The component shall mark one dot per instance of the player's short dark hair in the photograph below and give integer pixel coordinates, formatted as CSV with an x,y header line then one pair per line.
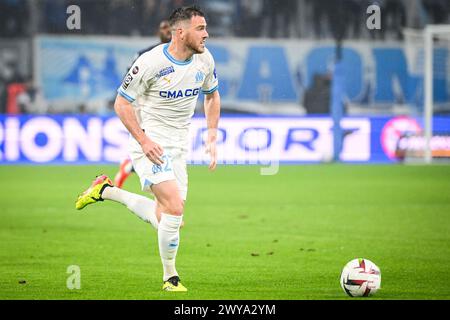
x,y
185,13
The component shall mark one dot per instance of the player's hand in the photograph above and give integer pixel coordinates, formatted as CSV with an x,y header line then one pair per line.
x,y
211,150
153,151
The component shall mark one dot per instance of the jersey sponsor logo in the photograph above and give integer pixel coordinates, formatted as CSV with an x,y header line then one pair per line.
x,y
127,81
135,70
175,94
165,72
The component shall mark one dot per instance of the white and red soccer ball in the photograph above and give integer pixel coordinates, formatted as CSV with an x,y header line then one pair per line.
x,y
360,278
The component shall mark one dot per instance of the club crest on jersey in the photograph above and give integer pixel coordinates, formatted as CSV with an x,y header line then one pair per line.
x,y
165,72
127,81
199,77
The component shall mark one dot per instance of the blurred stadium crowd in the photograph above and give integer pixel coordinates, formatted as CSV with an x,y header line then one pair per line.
x,y
237,18
22,20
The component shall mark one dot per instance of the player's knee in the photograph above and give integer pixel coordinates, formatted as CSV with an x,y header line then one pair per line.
x,y
178,208
175,207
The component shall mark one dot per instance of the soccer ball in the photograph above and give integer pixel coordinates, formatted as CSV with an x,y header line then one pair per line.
x,y
360,278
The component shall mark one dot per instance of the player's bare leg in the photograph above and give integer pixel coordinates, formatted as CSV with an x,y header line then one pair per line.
x,y
171,206
158,212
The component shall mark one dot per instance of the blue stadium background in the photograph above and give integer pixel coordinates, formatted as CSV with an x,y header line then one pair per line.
x,y
276,61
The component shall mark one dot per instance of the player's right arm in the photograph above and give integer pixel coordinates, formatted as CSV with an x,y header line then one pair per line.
x,y
134,84
125,112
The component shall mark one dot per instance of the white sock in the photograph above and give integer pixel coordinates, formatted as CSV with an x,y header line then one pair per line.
x,y
141,206
168,239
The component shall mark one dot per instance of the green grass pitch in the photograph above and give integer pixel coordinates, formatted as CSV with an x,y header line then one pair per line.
x,y
246,236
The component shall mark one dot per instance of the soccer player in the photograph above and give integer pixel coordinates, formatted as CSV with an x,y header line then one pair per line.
x,y
126,167
165,83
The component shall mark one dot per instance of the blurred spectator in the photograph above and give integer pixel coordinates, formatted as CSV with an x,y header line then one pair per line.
x,y
338,18
31,100
149,10
81,109
250,18
279,17
356,17
415,13
164,34
317,97
270,13
437,10
13,18
393,17
219,16
288,13
9,74
96,16
121,13
319,14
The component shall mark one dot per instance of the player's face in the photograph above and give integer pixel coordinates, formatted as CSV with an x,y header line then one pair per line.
x,y
165,34
196,34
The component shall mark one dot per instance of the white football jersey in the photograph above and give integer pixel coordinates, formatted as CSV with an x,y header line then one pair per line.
x,y
165,89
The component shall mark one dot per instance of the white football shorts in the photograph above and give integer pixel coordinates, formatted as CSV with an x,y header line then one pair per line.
x,y
174,144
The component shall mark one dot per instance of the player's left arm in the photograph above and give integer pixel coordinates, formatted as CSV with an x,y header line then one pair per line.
x,y
212,113
212,109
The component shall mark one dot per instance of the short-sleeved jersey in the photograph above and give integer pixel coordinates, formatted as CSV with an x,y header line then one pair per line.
x,y
165,89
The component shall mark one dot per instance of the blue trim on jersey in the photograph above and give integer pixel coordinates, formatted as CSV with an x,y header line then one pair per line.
x,y
210,91
147,183
123,94
172,59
